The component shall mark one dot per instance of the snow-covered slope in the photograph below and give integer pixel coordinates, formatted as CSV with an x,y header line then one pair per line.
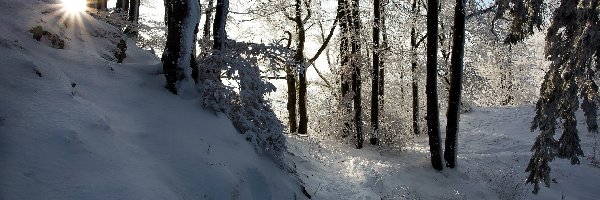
x,y
74,125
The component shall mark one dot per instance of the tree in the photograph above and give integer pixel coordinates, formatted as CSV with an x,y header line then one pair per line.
x,y
355,62
433,126
133,17
181,18
454,98
375,73
573,47
122,5
300,63
345,105
414,44
219,34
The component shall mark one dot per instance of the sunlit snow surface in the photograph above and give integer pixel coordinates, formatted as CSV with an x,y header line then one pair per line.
x,y
76,125
493,152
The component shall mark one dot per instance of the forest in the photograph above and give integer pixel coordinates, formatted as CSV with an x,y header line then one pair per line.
x,y
299,99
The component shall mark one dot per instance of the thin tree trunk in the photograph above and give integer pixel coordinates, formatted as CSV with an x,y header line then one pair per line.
x,y
299,60
356,77
345,105
208,18
375,73
456,84
219,34
384,48
433,126
414,65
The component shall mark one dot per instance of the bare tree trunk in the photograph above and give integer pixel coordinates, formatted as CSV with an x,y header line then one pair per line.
x,y
122,5
299,61
345,106
375,73
458,48
414,65
219,34
208,18
178,19
356,77
433,126
134,13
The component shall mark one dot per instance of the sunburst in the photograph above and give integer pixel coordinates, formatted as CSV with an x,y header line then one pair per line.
x,y
74,6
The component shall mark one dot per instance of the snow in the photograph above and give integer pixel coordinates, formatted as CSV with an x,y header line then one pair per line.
x,y
89,128
493,152
74,125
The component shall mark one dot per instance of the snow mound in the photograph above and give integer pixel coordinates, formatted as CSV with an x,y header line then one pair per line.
x,y
74,124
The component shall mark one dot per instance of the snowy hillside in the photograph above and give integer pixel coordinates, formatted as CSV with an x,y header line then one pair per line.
x,y
74,124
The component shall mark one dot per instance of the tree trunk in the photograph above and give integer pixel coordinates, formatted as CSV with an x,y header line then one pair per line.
x,y
206,32
102,4
384,47
456,84
356,77
181,22
433,126
122,5
299,61
414,65
345,104
219,34
290,78
375,73
134,13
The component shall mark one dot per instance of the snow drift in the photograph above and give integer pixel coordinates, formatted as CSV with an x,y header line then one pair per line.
x,y
74,124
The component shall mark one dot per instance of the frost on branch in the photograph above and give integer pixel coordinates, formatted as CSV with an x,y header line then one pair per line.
x,y
232,84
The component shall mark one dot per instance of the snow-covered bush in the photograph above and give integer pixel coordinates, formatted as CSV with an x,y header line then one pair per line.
x,y
232,84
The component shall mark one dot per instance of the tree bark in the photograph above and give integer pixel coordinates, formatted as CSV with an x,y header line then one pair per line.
x,y
375,73
133,16
345,104
356,77
122,5
178,19
433,127
209,11
456,84
299,61
414,65
219,34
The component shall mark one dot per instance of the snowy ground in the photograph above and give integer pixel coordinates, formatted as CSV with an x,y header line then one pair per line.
x,y
494,151
75,125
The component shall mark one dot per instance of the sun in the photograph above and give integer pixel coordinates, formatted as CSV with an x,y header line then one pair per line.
x,y
74,6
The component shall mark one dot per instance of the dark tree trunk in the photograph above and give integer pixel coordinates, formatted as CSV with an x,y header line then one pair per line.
x,y
134,11
345,105
375,73
177,14
433,126
101,4
290,78
414,65
209,11
384,48
122,5
356,77
456,84
206,32
219,34
299,61
133,16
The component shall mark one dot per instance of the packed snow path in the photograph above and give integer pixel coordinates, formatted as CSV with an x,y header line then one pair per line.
x,y
494,152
